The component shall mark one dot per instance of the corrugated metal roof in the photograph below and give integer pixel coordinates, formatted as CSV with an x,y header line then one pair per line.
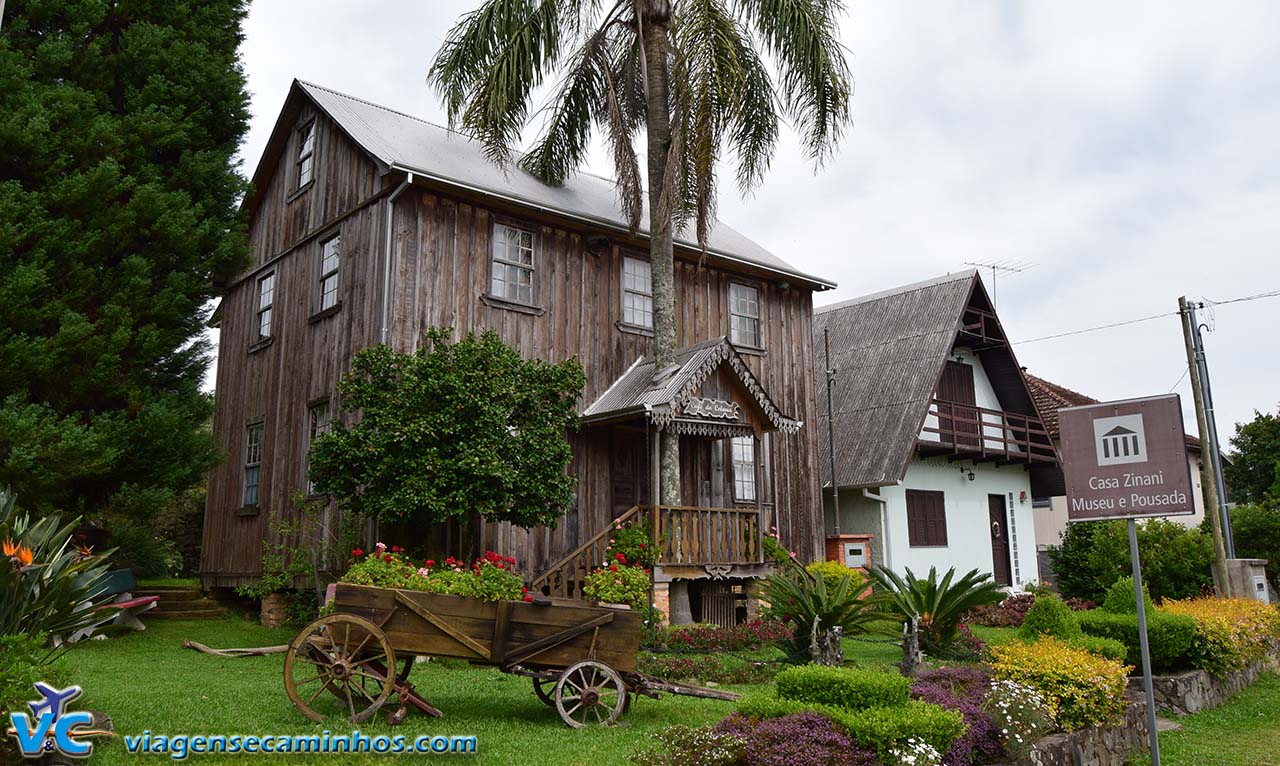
x,y
405,142
637,392
888,349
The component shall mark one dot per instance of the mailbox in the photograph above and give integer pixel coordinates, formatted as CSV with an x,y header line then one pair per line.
x,y
854,551
1260,588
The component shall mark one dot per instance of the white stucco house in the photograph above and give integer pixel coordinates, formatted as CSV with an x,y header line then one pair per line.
x,y
938,445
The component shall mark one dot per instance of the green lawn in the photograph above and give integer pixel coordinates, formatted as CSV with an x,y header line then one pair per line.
x,y
1243,732
148,681
152,582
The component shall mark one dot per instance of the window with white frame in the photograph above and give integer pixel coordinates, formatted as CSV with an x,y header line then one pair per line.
x,y
306,153
744,315
253,438
317,423
330,261
637,292
512,266
744,468
266,299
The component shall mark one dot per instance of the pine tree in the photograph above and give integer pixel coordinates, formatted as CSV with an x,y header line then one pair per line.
x,y
119,202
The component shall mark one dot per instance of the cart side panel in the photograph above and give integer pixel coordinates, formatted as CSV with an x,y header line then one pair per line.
x,y
616,645
413,634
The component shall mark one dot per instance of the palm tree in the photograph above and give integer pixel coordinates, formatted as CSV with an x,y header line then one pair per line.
x,y
690,74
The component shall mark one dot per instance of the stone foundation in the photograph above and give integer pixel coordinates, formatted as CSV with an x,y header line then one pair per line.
x,y
662,599
1196,690
1095,745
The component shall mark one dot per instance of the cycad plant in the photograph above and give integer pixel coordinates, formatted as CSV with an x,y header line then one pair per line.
x,y
815,606
937,605
47,585
695,77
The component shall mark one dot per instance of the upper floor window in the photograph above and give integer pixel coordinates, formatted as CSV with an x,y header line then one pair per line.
x,y
266,298
330,260
744,469
306,153
512,268
255,433
637,292
744,315
317,423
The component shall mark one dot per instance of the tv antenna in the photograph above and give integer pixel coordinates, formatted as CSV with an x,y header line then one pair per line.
x,y
1010,266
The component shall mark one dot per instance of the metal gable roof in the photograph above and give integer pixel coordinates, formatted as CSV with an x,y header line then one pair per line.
x,y
402,142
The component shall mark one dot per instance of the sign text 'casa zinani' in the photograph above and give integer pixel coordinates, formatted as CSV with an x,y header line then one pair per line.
x,y
1126,459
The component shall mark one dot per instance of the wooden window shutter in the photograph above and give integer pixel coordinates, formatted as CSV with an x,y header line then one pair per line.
x,y
926,518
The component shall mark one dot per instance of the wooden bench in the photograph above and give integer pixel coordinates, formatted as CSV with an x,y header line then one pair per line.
x,y
115,594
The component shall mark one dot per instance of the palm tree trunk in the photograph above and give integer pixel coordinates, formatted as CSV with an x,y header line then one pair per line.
x,y
655,18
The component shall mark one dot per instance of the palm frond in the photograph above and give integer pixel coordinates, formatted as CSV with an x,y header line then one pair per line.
x,y
565,138
491,61
815,81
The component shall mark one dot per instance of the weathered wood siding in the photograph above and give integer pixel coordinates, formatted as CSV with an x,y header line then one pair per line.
x,y
440,271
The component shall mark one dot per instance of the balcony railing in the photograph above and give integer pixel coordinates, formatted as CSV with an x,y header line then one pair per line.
x,y
969,431
686,536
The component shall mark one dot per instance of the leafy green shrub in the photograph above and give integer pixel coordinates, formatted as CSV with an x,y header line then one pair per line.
x,y
938,606
618,584
699,636
1049,616
1122,598
884,727
701,668
1169,636
849,688
46,584
878,728
1231,633
1109,648
23,661
833,572
775,552
796,596
1176,560
140,549
1256,529
1079,688
634,543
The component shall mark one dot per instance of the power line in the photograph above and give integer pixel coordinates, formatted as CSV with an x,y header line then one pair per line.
x,y
1185,370
1255,297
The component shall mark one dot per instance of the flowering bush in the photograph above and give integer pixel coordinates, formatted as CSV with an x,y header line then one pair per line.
x,y
1007,614
962,688
489,578
774,551
1079,688
634,543
1231,633
705,667
913,752
686,746
619,584
802,739
752,634
1019,716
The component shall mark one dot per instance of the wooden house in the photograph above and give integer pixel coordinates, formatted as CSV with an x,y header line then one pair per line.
x,y
938,444
369,226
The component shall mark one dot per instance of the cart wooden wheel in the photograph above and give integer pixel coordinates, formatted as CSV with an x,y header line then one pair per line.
x,y
545,690
348,657
590,692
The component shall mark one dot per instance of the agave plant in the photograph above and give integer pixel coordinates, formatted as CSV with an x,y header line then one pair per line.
x,y
937,606
47,585
816,606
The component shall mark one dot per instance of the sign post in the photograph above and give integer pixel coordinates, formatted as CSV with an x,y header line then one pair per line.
x,y
1128,460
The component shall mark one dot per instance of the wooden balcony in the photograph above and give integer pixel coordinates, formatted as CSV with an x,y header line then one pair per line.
x,y
968,432
688,536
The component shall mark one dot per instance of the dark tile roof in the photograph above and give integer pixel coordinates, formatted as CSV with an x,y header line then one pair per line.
x,y
1051,397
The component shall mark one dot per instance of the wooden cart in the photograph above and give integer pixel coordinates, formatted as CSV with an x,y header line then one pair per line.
x,y
582,658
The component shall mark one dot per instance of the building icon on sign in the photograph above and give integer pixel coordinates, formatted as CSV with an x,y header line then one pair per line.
x,y
1120,440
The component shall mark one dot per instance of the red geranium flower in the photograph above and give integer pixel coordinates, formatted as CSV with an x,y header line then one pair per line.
x,y
387,558
357,552
528,599
621,559
429,563
613,567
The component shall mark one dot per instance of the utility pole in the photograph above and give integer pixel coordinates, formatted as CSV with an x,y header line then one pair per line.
x,y
1214,447
1208,481
831,432
1,14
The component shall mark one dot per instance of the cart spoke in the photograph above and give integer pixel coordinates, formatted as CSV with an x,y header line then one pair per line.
x,y
351,705
306,681
323,686
346,638
360,645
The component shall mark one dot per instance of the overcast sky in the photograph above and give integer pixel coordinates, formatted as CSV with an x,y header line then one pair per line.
x,y
1128,150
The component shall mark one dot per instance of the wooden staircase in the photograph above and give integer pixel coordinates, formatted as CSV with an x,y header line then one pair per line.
x,y
179,602
685,535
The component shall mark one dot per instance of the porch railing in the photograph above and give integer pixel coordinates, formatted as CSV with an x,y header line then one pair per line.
x,y
970,431
686,535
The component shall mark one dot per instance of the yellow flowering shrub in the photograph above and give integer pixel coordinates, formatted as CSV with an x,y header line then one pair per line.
x,y
1079,688
1231,633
